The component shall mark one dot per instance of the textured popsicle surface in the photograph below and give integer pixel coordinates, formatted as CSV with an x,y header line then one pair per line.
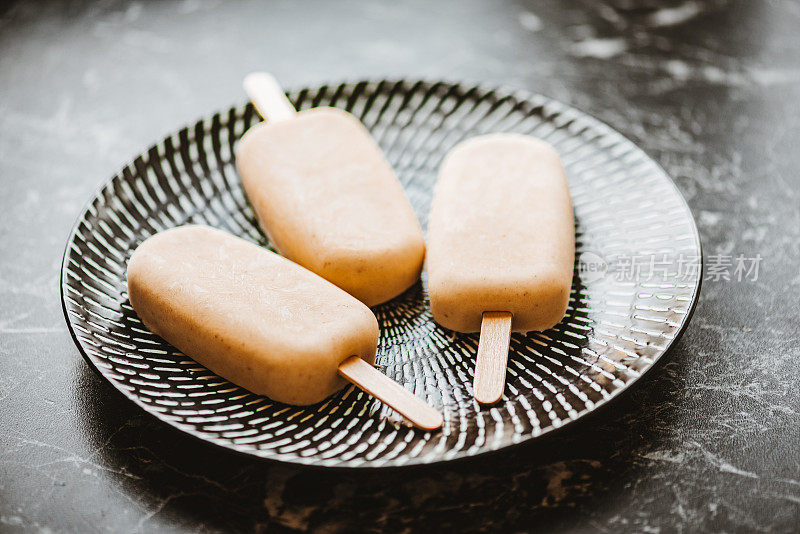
x,y
501,234
328,199
248,314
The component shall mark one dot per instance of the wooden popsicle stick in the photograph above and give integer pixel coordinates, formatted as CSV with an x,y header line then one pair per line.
x,y
267,96
492,361
391,393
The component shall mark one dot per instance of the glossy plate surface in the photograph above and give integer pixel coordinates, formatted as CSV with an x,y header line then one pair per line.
x,y
637,278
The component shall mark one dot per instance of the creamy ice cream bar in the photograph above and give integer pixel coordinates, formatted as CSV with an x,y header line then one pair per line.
x,y
501,235
328,199
249,315
501,246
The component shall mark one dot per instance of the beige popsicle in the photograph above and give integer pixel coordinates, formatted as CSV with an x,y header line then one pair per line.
x,y
261,321
326,196
501,246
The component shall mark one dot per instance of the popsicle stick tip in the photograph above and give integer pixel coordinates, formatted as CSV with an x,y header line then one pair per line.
x,y
432,420
267,96
377,384
492,360
486,397
254,79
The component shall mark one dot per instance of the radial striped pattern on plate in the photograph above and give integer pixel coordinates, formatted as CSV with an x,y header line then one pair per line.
x,y
628,214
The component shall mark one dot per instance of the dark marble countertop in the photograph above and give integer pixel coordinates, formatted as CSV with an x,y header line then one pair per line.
x,y
709,441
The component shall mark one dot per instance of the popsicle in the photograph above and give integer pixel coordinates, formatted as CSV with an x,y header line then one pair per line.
x,y
259,320
326,196
501,246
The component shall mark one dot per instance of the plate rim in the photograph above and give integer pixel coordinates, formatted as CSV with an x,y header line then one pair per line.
x,y
417,461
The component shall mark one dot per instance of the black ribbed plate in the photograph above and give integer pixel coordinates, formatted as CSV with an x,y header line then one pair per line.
x,y
619,322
